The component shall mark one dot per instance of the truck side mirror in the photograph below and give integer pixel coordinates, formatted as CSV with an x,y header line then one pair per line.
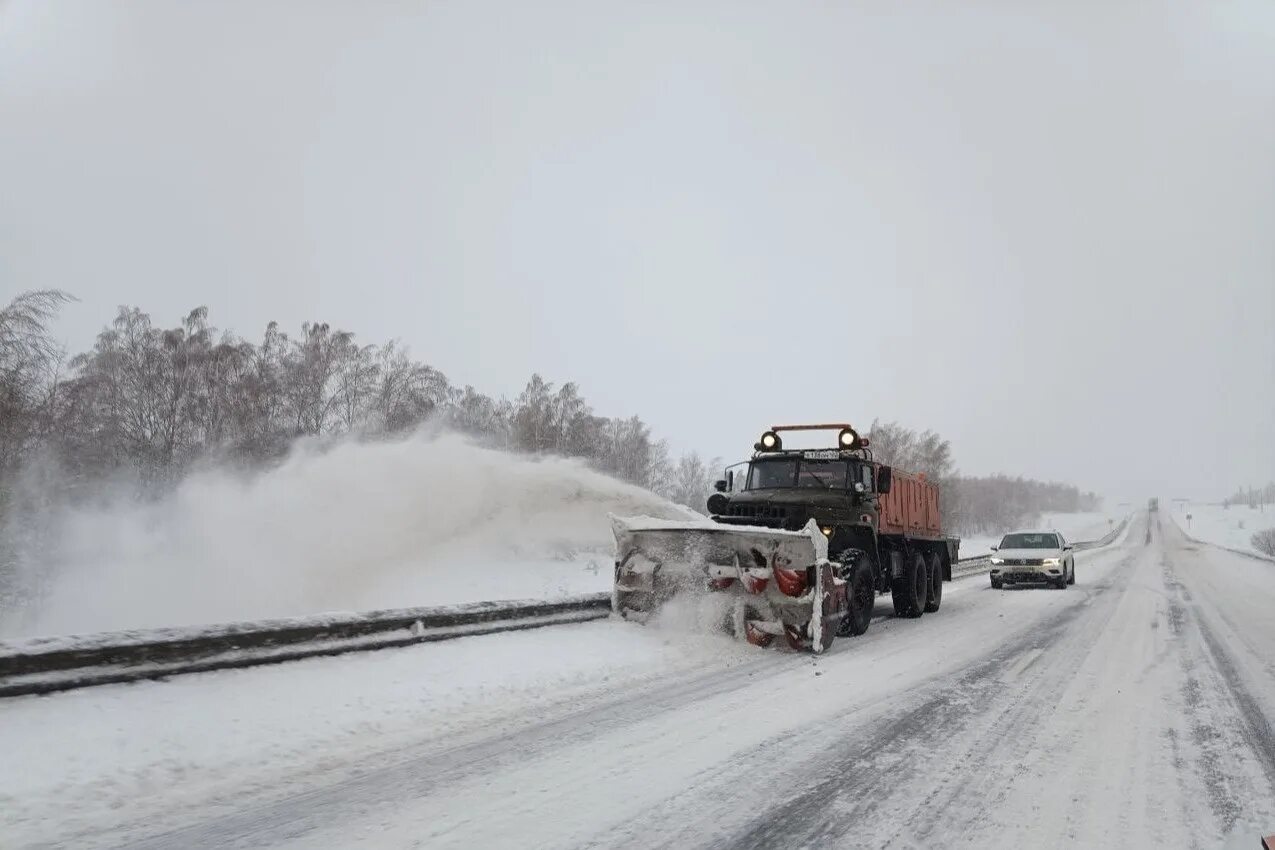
x,y
720,486
884,479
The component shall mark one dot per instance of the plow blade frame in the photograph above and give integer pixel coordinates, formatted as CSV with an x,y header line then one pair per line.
x,y
780,582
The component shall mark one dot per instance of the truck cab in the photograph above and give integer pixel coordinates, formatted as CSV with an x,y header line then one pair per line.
x,y
787,489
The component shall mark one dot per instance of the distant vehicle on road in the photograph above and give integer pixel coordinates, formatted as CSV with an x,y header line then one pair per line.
x,y
1153,504
1033,557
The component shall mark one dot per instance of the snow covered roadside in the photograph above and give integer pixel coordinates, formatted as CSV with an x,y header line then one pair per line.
x,y
1230,528
113,755
108,765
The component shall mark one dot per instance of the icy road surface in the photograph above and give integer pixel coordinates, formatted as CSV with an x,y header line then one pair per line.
x,y
1132,710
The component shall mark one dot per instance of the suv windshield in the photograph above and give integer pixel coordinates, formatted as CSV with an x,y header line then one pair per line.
x,y
1030,541
798,472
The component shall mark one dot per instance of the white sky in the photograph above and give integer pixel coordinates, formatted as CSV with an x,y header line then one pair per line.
x,y
1045,230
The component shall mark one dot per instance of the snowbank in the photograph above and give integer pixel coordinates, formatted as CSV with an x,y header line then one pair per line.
x,y
361,525
1231,527
101,756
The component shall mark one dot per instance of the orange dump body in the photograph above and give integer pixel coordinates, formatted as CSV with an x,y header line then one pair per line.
x,y
911,507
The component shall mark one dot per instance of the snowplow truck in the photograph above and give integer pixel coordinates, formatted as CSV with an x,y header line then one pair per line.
x,y
800,543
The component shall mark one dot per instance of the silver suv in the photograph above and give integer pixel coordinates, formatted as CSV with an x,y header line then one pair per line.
x,y
1033,556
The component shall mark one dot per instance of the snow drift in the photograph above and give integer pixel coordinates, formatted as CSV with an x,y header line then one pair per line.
x,y
359,525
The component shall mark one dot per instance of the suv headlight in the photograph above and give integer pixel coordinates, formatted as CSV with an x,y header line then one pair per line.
x,y
997,561
1052,562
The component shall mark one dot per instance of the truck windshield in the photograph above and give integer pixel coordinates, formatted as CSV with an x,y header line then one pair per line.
x,y
1030,541
798,472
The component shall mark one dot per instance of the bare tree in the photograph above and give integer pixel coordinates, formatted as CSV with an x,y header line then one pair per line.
x,y
533,419
29,364
406,392
692,480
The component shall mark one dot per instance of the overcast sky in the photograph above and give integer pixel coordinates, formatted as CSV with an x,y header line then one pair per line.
x,y
1045,230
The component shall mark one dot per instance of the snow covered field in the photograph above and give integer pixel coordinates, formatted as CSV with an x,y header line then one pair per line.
x,y
1131,710
1232,527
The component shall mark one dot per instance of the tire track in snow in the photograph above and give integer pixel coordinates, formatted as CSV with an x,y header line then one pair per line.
x,y
990,742
1226,740
854,791
420,773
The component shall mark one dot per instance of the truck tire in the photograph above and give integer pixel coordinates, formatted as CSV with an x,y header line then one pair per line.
x,y
934,598
861,597
909,590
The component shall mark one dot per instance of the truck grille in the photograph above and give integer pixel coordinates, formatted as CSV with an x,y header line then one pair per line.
x,y
760,511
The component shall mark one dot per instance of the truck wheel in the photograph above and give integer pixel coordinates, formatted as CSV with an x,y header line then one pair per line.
x,y
909,590
861,596
934,598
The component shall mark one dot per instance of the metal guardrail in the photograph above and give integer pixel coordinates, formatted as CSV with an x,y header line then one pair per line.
x,y
44,665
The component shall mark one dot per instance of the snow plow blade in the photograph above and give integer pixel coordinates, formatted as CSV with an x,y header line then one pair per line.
x,y
777,583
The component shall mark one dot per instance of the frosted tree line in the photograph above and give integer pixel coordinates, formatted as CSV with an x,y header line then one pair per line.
x,y
153,401
974,505
1253,497
147,403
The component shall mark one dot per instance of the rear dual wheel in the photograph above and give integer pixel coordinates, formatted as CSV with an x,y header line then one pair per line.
x,y
934,598
911,590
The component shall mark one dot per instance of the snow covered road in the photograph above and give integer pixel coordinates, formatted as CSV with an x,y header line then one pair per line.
x,y
1132,709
